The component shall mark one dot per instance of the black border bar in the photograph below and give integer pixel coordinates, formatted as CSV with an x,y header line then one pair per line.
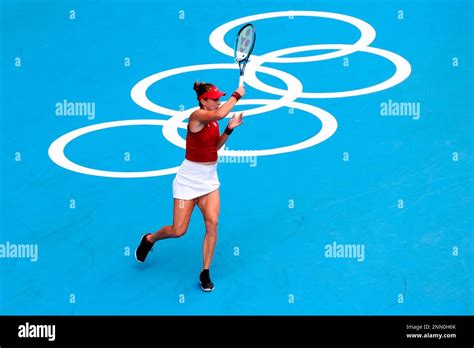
x,y
287,330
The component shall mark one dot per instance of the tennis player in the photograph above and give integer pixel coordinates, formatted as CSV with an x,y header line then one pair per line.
x,y
196,181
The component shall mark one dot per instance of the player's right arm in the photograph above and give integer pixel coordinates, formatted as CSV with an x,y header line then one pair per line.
x,y
218,114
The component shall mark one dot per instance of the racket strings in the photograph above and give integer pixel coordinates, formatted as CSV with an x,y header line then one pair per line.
x,y
244,47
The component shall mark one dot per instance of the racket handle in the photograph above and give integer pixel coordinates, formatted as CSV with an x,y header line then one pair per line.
x,y
241,80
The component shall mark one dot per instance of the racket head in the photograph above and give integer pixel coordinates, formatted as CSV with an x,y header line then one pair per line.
x,y
244,43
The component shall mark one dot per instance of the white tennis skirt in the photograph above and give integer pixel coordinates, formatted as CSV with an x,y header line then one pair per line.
x,y
195,180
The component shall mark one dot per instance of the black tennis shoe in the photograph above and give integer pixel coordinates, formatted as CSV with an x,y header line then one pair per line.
x,y
205,280
143,249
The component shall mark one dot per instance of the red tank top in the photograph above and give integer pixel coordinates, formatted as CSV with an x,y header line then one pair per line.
x,y
202,146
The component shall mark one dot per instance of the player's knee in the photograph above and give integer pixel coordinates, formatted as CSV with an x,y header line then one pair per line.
x,y
212,221
179,231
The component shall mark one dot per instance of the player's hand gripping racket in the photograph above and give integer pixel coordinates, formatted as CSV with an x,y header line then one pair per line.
x,y
244,47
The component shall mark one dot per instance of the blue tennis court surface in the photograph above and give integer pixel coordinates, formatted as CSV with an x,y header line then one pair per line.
x,y
348,192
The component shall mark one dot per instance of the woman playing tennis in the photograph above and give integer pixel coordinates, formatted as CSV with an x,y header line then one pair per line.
x,y
196,181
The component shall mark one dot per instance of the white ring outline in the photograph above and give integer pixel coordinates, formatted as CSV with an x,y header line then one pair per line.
x,y
403,70
56,151
368,33
138,92
328,128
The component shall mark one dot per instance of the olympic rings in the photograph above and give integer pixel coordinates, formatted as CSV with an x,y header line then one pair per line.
x,y
288,97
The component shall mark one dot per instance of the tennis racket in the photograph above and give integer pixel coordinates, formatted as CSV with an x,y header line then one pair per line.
x,y
244,47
